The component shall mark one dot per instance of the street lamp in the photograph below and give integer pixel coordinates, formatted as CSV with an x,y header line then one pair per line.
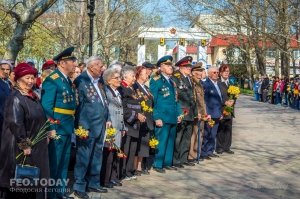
x,y
91,14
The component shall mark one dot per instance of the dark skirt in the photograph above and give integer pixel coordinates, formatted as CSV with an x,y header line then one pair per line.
x,y
143,144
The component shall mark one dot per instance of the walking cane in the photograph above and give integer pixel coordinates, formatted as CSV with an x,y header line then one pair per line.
x,y
199,140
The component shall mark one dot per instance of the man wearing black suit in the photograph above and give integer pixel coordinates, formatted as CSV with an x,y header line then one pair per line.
x,y
224,135
4,88
186,99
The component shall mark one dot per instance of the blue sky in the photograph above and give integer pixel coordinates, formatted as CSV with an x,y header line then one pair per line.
x,y
166,10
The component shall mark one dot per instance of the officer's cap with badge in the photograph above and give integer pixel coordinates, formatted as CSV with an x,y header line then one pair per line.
x,y
165,60
148,65
67,54
185,62
198,67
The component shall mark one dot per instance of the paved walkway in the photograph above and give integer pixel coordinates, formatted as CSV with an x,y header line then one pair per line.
x,y
266,163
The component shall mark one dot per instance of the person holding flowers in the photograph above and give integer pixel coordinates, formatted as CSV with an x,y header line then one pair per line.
x,y
58,101
92,115
166,113
198,125
133,117
110,171
23,119
186,99
214,102
146,128
229,94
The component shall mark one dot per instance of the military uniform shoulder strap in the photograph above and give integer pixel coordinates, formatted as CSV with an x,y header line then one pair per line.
x,y
54,76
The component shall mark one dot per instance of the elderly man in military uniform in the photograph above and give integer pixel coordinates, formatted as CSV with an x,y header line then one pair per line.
x,y
198,129
166,113
186,99
58,101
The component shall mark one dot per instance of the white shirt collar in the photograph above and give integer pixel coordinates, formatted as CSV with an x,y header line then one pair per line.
x,y
63,74
91,78
167,77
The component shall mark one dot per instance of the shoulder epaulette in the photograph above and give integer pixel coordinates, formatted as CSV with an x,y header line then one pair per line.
x,y
177,74
156,77
54,76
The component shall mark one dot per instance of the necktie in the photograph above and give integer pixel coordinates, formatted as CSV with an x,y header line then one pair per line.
x,y
188,79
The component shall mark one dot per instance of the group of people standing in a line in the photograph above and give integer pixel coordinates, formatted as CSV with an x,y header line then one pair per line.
x,y
284,91
182,109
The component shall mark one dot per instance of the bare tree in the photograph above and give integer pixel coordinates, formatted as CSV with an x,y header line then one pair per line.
x,y
24,14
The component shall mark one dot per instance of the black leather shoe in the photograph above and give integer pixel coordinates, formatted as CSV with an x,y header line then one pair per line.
x,y
214,156
179,166
159,170
99,190
145,172
229,151
108,185
192,160
170,168
138,173
115,183
64,197
81,195
189,164
220,152
205,158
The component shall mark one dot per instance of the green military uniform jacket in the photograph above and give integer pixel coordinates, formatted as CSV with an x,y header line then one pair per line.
x,y
166,107
59,102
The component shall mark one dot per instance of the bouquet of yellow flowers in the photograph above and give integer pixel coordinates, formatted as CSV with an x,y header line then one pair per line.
x,y
110,139
153,142
296,92
211,123
233,92
146,108
82,133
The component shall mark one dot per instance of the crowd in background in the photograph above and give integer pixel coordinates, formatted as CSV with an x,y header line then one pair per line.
x,y
278,91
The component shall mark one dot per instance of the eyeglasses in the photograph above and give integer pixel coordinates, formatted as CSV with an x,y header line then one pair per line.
x,y
116,77
215,72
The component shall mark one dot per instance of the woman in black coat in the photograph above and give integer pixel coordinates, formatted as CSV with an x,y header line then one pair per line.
x,y
23,118
147,127
132,117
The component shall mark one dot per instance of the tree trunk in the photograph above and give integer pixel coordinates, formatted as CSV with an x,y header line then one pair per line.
x,y
277,55
16,43
260,61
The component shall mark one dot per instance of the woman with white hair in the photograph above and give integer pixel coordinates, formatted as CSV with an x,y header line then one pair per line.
x,y
133,118
110,165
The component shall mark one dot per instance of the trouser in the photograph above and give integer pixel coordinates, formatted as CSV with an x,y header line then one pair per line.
x,y
129,146
110,166
166,137
224,135
183,142
209,139
59,157
194,140
88,163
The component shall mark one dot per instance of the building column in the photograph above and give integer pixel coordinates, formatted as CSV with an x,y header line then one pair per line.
x,y
141,54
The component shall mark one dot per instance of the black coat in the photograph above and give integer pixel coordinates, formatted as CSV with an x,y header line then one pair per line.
x,y
23,118
148,98
131,107
186,95
4,93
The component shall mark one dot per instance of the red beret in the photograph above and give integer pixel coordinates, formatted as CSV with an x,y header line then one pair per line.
x,y
23,69
48,64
